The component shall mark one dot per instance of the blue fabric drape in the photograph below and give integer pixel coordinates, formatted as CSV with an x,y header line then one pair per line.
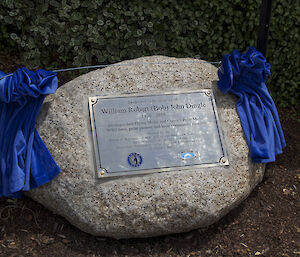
x,y
245,74
25,161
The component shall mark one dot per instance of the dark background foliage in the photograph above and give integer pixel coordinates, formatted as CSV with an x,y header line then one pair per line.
x,y
55,34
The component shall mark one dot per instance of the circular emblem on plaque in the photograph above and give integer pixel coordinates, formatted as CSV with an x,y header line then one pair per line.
x,y
135,159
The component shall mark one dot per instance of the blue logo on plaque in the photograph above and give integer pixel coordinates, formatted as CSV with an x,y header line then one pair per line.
x,y
135,159
187,155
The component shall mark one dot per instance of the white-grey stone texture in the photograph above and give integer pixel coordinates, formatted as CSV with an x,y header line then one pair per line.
x,y
152,204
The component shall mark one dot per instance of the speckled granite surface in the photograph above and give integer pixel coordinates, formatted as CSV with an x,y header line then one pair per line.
x,y
148,205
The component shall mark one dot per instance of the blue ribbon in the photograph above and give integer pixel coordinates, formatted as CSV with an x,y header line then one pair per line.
x,y
25,162
245,74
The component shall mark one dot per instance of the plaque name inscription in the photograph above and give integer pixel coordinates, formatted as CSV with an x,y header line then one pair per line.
x,y
137,134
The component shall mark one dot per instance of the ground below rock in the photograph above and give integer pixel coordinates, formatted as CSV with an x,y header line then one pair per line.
x,y
152,204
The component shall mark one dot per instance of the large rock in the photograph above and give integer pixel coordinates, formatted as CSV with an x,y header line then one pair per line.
x,y
148,205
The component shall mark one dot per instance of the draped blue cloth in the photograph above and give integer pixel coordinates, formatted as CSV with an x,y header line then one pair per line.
x,y
244,75
25,161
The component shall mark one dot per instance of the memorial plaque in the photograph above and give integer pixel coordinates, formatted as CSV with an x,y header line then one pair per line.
x,y
148,133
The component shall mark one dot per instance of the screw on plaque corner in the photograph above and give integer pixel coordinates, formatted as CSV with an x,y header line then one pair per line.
x,y
208,93
223,160
93,100
102,172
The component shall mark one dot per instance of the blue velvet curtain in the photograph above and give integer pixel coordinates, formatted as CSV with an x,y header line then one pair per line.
x,y
25,161
244,75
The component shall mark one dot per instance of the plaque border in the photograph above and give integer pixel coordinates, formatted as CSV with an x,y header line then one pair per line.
x,y
101,171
